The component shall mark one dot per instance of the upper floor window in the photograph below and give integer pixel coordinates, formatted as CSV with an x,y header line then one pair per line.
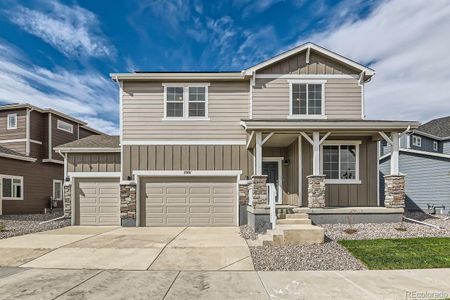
x,y
307,98
417,141
12,121
12,187
340,161
435,146
186,101
64,126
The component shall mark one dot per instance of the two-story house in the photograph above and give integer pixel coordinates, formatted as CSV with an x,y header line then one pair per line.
x,y
30,170
425,160
201,148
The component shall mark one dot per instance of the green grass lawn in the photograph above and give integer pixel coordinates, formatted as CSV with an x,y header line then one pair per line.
x,y
414,253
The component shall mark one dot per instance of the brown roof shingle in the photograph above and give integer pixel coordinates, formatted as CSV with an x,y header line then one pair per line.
x,y
94,141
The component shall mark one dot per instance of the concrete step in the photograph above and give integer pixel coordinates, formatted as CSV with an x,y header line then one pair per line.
x,y
297,216
296,234
293,221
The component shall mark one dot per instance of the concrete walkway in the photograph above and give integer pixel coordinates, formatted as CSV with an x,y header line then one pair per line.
x,y
24,283
132,249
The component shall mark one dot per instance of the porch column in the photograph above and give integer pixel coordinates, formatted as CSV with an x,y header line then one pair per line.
x,y
258,153
316,153
394,184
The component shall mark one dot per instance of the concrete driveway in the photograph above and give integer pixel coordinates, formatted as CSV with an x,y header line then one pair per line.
x,y
115,248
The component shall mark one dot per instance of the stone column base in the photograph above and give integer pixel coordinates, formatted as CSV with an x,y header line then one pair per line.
x,y
394,191
259,219
316,191
67,200
128,205
258,191
243,201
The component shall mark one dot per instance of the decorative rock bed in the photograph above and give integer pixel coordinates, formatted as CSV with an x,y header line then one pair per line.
x,y
15,225
331,255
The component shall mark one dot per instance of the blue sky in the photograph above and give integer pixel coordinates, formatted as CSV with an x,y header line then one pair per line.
x,y
58,54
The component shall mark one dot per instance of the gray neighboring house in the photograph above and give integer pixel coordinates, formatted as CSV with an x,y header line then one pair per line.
x,y
425,160
225,148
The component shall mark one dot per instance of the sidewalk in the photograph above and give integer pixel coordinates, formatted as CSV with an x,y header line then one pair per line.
x,y
23,283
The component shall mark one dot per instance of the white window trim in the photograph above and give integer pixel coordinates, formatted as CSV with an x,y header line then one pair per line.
x,y
435,146
307,116
357,180
59,122
417,141
7,121
12,177
185,87
61,190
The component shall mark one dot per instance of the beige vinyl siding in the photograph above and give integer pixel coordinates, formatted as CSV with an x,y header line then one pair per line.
x,y
93,162
318,64
271,99
342,195
187,157
143,111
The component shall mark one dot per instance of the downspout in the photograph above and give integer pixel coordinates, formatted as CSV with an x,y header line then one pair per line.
x,y
119,84
64,181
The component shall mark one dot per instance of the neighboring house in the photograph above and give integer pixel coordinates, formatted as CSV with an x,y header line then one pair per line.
x,y
195,145
425,160
30,170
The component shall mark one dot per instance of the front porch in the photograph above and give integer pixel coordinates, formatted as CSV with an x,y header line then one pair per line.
x,y
328,169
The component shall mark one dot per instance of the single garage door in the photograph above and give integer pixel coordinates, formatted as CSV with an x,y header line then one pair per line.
x,y
188,201
97,201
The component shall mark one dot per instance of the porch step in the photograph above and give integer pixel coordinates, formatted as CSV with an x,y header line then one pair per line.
x,y
291,234
297,216
293,221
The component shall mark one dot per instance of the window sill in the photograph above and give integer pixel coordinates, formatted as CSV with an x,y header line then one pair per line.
x,y
185,119
342,181
12,199
308,117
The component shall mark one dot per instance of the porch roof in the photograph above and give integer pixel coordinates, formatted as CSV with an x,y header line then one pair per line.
x,y
289,125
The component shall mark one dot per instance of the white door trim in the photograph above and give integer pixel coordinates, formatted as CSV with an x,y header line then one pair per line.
x,y
279,160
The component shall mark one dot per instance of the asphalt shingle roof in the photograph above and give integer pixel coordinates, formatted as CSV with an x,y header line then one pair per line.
x,y
439,127
95,141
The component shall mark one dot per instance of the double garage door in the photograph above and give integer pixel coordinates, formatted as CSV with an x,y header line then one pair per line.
x,y
97,201
188,201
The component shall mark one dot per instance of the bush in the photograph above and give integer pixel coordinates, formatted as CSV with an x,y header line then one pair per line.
x,y
2,226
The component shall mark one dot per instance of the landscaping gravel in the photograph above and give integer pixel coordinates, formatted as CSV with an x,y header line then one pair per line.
x,y
15,225
248,233
332,256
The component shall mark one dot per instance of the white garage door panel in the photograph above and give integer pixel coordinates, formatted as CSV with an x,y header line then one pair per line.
x,y
196,201
98,201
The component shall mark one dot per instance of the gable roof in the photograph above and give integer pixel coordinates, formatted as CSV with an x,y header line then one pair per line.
x,y
93,143
438,128
308,47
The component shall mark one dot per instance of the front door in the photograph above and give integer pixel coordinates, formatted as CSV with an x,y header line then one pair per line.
x,y
270,168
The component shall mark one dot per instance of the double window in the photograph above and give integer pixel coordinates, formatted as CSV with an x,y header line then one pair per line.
x,y
12,121
64,126
307,98
417,141
340,161
186,101
12,187
57,189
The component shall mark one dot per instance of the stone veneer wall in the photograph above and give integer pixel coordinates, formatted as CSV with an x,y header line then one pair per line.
x,y
316,191
67,200
128,205
243,192
394,191
258,190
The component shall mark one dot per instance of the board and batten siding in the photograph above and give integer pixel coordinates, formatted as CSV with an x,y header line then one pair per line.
x,y
427,179
93,162
345,195
143,113
271,99
187,157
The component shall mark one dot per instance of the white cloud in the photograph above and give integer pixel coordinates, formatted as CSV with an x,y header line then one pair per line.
x,y
72,30
85,95
406,42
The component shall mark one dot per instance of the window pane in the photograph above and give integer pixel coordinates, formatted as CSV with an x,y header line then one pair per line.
x,y
175,94
331,162
175,109
314,99
12,120
298,99
197,94
17,188
348,162
196,109
57,191
6,186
